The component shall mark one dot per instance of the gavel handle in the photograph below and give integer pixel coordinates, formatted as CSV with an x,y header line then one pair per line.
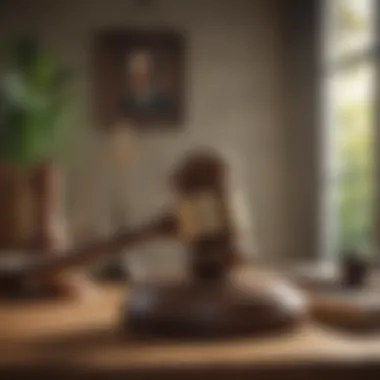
x,y
105,247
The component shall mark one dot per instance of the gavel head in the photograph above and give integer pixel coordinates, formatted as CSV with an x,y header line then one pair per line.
x,y
200,182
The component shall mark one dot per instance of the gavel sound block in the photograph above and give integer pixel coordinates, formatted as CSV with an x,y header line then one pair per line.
x,y
209,303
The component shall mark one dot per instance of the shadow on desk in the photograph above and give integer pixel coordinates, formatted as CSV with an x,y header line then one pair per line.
x,y
312,371
123,338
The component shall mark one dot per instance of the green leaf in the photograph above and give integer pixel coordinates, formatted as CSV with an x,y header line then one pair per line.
x,y
33,102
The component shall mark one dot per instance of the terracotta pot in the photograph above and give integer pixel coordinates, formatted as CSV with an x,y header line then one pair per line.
x,y
29,202
16,203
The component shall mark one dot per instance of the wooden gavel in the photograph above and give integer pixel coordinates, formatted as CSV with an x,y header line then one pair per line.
x,y
212,303
200,219
39,271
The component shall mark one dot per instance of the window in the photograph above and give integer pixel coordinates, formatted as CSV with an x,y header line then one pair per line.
x,y
348,95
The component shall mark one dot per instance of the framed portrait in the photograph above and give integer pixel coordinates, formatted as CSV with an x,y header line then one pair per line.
x,y
139,77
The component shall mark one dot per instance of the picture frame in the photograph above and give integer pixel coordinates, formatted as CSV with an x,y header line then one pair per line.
x,y
139,77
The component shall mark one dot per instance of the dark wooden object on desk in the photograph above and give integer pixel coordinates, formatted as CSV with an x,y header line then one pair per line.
x,y
355,269
209,303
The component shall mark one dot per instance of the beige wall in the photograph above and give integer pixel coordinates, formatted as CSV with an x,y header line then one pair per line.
x,y
233,90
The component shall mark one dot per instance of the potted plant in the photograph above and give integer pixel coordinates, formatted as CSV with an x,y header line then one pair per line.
x,y
33,110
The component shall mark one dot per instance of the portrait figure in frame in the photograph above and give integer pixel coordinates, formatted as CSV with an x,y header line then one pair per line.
x,y
139,78
144,96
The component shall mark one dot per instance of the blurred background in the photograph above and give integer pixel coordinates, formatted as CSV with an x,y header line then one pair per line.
x,y
287,89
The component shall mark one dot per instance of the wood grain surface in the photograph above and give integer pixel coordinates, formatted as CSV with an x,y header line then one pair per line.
x,y
79,337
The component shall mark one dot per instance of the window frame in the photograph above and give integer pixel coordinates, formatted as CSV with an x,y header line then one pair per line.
x,y
329,223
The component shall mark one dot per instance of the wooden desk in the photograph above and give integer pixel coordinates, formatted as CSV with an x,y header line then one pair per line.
x,y
78,339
